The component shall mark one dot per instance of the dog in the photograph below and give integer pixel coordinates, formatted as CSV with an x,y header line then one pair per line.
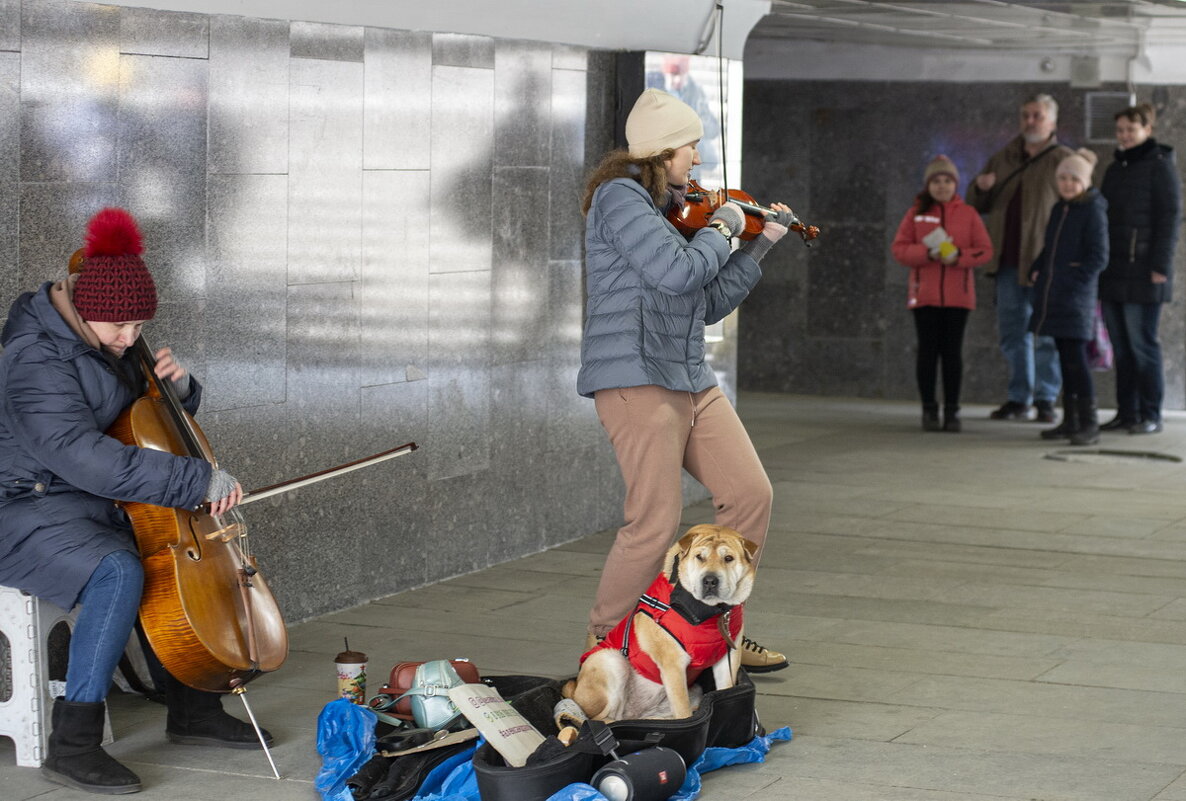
x,y
687,621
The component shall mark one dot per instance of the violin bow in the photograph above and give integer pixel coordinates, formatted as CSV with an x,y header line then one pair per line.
x,y
322,475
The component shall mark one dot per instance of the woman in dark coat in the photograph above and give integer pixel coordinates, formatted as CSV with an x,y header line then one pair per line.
x,y
65,376
1144,210
1065,277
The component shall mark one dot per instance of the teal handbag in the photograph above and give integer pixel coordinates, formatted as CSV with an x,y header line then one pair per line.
x,y
429,694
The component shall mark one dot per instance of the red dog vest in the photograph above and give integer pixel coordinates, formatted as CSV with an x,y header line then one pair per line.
x,y
702,640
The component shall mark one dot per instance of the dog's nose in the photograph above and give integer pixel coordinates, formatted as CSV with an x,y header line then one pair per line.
x,y
710,584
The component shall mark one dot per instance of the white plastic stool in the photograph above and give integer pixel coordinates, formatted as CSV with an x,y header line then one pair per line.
x,y
25,717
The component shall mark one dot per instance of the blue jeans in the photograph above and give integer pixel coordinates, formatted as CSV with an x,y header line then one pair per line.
x,y
1140,383
110,601
1034,373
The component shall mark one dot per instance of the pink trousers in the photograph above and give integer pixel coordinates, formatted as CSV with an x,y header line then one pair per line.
x,y
657,433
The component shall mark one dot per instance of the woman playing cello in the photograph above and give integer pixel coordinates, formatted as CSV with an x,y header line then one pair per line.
x,y
66,374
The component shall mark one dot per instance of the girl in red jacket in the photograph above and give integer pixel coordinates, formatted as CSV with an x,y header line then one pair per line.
x,y
940,239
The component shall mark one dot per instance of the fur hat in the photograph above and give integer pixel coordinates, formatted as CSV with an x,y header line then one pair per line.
x,y
660,121
115,286
940,165
1080,164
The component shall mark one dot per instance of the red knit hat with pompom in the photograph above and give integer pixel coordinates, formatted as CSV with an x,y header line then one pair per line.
x,y
115,286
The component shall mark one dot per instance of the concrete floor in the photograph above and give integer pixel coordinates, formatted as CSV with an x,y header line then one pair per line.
x,y
967,620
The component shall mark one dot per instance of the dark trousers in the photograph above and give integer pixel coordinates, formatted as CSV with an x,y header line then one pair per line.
x,y
1140,382
940,338
1076,373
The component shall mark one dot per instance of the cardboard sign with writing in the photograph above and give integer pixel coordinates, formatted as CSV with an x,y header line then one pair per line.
x,y
506,730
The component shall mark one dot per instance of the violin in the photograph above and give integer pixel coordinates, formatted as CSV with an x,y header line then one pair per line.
x,y
701,203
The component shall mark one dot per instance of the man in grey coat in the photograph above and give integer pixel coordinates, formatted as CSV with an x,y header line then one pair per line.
x,y
1015,191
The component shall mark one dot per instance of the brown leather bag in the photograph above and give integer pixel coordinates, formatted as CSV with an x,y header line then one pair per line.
x,y
400,681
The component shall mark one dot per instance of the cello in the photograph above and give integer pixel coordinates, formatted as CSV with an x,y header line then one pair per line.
x,y
206,609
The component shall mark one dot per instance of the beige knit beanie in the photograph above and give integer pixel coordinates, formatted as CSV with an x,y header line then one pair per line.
x,y
660,121
940,165
1080,164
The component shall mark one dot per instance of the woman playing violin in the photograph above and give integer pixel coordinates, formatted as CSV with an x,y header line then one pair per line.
x,y
651,294
65,376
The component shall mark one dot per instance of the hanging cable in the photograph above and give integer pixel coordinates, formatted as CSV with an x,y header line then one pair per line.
x,y
721,96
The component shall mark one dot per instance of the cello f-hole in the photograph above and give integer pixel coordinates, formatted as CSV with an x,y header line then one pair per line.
x,y
194,551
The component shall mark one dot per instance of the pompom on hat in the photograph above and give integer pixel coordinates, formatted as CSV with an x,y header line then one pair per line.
x,y
660,121
115,286
1080,164
940,165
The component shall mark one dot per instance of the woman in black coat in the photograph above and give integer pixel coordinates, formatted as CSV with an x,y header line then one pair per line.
x,y
1144,211
66,374
1065,277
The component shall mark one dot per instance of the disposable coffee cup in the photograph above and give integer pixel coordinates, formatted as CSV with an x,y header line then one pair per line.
x,y
352,675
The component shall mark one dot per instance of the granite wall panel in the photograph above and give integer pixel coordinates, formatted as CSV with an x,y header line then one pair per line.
x,y
522,103
10,160
843,156
519,291
319,40
246,260
462,160
161,160
10,25
322,406
69,91
518,416
462,50
325,171
567,166
393,303
248,102
149,32
459,314
397,112
53,217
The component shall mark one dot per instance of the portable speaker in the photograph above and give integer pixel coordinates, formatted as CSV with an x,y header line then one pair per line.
x,y
653,774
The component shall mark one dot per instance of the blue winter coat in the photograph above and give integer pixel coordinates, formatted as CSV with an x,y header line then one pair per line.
x,y
650,294
1075,253
59,472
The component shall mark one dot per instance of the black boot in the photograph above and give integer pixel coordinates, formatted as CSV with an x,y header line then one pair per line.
x,y
1089,423
930,417
951,417
196,717
75,757
1070,420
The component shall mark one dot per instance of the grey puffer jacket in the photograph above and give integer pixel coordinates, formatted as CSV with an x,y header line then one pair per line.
x,y
650,294
59,471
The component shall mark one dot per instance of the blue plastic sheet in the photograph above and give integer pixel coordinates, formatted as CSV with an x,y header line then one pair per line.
x,y
346,741
452,780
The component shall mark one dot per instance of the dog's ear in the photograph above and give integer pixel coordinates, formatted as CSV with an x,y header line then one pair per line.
x,y
677,550
685,542
751,548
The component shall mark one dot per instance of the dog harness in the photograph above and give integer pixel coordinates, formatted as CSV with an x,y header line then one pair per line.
x,y
692,623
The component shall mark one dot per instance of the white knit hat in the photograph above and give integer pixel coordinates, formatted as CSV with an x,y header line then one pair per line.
x,y
1080,164
660,121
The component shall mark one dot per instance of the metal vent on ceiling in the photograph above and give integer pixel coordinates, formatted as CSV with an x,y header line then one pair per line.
x,y
1101,108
